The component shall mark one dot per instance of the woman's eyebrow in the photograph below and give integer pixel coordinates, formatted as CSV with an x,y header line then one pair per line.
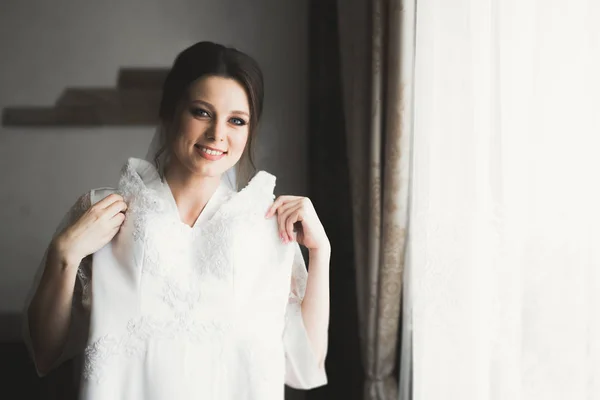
x,y
207,104
241,112
204,103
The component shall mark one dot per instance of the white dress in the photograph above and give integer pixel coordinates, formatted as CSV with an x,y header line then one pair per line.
x,y
204,312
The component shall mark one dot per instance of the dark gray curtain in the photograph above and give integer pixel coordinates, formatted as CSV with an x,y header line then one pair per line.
x,y
330,192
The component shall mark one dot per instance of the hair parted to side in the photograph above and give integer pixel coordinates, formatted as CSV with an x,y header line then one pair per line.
x,y
210,59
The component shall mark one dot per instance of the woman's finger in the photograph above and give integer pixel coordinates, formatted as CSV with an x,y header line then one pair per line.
x,y
117,220
281,223
287,205
115,208
108,200
287,220
293,217
278,203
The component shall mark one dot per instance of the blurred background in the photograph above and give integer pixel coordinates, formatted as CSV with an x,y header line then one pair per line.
x,y
79,88
451,154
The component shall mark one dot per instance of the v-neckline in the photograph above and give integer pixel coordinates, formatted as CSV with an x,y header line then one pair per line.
x,y
148,177
217,201
209,210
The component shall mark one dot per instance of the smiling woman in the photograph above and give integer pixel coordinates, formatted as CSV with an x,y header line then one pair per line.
x,y
198,291
213,131
223,90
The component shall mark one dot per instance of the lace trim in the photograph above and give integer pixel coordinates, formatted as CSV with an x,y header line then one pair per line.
x,y
141,200
84,277
107,348
299,277
252,199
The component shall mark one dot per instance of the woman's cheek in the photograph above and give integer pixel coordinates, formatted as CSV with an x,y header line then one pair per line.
x,y
239,144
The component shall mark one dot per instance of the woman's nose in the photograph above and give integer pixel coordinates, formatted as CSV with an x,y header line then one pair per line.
x,y
217,132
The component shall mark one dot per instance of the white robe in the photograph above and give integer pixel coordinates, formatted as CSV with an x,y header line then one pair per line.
x,y
206,312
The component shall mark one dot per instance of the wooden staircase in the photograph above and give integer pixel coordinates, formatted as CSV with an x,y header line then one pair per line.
x,y
133,102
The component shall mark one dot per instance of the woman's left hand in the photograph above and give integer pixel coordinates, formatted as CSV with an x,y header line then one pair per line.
x,y
297,214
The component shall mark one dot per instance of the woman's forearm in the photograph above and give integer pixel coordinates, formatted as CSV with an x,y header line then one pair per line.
x,y
49,313
315,306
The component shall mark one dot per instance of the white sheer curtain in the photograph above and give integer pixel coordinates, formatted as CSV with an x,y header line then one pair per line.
x,y
503,296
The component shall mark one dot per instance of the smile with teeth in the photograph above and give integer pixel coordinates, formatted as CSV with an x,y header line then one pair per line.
x,y
209,151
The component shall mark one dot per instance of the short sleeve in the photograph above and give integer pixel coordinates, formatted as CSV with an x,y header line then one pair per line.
x,y
80,312
302,366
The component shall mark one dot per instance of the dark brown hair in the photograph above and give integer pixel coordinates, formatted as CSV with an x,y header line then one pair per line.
x,y
210,59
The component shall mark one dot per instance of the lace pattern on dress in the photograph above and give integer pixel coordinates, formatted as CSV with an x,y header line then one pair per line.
x,y
178,265
164,261
100,353
190,255
299,277
84,277
181,297
141,200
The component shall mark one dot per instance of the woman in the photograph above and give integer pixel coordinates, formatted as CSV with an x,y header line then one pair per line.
x,y
198,291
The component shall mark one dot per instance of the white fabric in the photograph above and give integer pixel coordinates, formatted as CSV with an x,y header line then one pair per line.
x,y
505,208
210,311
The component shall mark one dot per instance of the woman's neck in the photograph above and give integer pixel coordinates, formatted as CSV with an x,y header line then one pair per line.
x,y
191,192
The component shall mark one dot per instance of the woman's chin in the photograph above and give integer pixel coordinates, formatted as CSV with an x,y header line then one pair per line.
x,y
209,169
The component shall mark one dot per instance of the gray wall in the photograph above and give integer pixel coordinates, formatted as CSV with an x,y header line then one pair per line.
x,y
47,46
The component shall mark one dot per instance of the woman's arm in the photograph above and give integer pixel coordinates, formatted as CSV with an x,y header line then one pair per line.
x,y
49,312
83,231
315,306
297,219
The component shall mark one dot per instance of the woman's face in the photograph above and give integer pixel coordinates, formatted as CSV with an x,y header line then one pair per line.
x,y
213,126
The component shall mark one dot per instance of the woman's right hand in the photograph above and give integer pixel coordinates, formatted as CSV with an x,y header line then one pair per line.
x,y
94,229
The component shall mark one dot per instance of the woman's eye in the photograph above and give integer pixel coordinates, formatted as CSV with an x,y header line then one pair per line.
x,y
200,112
238,121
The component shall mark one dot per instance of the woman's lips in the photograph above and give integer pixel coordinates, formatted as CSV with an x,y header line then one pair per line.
x,y
209,153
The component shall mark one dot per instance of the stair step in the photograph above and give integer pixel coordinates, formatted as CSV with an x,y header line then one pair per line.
x,y
108,96
79,116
